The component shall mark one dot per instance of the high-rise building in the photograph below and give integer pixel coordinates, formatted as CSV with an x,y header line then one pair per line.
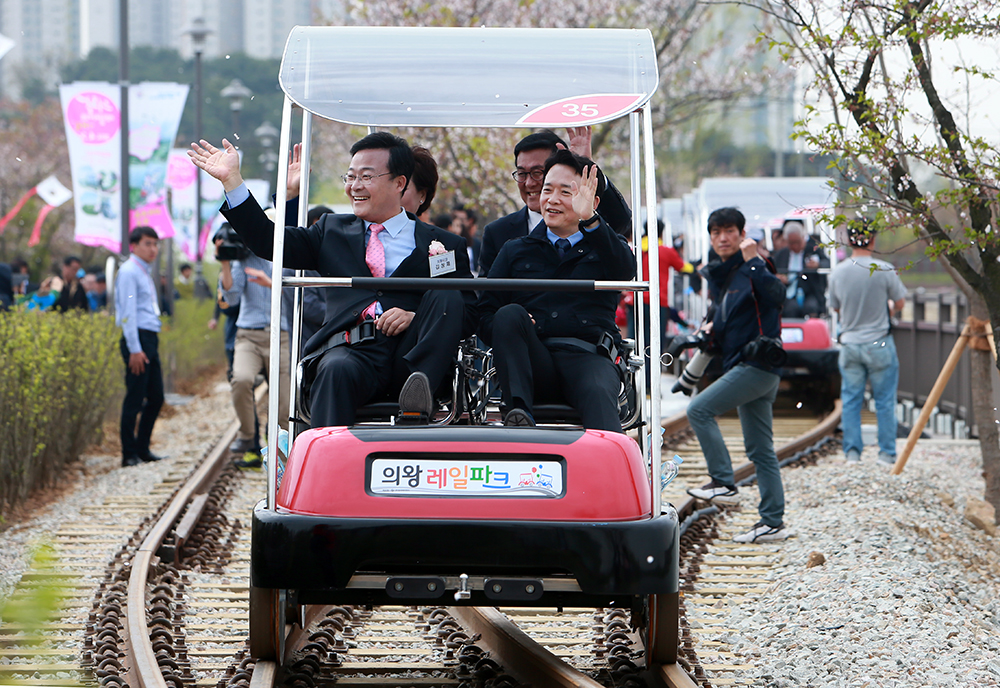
x,y
72,28
45,33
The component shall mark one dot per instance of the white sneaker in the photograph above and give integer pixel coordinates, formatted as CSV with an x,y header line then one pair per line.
x,y
761,532
716,493
853,456
886,460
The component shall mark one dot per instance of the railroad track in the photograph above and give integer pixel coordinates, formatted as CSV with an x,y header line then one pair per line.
x,y
171,608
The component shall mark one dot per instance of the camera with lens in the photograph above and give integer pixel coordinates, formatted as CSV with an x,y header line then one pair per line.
x,y
695,368
232,246
766,351
680,343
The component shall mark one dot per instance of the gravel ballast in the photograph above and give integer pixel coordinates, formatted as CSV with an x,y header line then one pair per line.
x,y
909,594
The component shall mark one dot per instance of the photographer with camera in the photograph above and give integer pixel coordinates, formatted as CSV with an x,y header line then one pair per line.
x,y
744,329
245,281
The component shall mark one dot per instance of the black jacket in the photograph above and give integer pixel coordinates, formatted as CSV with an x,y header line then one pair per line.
x,y
812,284
600,255
750,306
6,287
612,208
335,247
72,296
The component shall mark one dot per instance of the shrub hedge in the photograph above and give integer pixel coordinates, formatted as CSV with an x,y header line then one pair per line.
x,y
58,372
61,372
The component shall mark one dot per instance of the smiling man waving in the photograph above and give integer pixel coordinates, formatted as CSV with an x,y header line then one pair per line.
x,y
559,346
411,347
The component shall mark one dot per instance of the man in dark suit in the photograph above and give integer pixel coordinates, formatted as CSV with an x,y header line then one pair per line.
x,y
416,333
797,264
530,155
560,346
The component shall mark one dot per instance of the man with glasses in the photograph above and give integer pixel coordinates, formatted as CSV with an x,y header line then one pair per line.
x,y
530,155
374,342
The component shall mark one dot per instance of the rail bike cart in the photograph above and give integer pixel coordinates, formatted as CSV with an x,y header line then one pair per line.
x,y
465,511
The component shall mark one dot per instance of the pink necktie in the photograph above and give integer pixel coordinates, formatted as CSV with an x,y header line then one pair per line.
x,y
375,258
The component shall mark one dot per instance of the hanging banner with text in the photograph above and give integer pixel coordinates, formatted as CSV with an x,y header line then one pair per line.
x,y
154,114
92,119
181,174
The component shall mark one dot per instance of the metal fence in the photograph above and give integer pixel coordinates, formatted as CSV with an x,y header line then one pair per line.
x,y
930,324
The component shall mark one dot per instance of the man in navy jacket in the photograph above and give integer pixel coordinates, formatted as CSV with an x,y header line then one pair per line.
x,y
560,346
746,312
530,155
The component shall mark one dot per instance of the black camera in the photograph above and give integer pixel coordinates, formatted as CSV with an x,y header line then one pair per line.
x,y
232,246
766,351
688,341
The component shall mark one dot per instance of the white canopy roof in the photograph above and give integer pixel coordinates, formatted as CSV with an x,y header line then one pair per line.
x,y
482,77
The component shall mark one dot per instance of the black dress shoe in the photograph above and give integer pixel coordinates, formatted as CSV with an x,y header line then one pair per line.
x,y
130,461
415,400
519,418
150,457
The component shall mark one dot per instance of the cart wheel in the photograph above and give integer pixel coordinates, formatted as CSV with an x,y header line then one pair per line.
x,y
661,630
267,624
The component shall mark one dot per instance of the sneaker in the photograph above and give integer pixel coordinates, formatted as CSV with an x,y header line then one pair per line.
x,y
249,460
886,460
761,532
716,493
415,399
853,456
518,418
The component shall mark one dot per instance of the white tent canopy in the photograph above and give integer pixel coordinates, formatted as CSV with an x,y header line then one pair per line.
x,y
468,77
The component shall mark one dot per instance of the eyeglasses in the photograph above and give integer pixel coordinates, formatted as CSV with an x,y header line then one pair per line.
x,y
366,178
520,176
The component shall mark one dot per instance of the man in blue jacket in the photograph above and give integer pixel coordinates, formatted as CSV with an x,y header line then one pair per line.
x,y
745,329
560,346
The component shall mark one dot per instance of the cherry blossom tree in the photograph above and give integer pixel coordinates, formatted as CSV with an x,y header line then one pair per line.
x,y
902,92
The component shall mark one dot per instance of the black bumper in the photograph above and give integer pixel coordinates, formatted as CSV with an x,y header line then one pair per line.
x,y
316,556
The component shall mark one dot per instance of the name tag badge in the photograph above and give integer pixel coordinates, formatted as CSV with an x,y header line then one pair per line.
x,y
443,263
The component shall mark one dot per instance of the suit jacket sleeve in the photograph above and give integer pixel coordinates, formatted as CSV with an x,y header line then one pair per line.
x,y
492,301
615,210
302,244
489,250
618,257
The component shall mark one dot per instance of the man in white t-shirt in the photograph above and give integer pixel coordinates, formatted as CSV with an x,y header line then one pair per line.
x,y
865,291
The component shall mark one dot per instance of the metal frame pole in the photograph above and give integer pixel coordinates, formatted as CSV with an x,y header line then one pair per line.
x,y
654,305
637,310
124,128
277,260
299,295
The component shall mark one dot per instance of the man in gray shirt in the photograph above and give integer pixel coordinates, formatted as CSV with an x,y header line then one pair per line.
x,y
862,291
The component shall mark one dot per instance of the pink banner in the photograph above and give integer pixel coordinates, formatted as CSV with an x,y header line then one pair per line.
x,y
36,233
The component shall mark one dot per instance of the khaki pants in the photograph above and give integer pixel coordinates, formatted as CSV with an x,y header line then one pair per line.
x,y
251,356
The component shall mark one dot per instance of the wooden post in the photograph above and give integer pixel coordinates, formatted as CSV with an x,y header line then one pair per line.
x,y
932,399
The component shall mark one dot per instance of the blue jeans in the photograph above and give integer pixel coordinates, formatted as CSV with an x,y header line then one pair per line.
x,y
877,363
751,391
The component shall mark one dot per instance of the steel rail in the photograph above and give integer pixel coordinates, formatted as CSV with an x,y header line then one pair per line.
x,y
140,659
519,655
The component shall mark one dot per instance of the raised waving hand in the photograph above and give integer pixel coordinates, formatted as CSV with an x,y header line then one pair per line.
x,y
221,163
